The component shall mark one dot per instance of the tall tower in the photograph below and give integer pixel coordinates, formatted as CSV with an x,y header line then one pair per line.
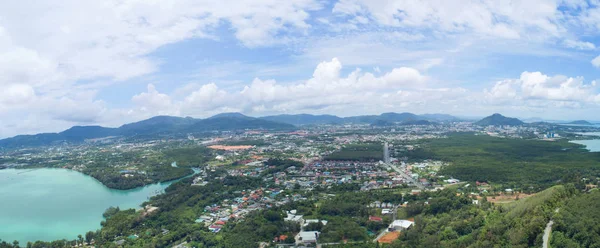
x,y
386,153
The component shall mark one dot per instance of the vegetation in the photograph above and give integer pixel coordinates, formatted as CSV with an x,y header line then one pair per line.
x,y
359,152
452,221
577,223
189,156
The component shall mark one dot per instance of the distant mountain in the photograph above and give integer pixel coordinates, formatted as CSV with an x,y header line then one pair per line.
x,y
158,125
541,123
307,119
382,123
417,123
231,115
236,122
439,117
499,120
580,122
170,125
81,133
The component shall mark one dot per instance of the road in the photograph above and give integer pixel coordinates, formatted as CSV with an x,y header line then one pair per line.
x,y
547,232
405,176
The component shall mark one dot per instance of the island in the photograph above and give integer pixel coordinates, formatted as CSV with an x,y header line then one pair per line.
x,y
580,122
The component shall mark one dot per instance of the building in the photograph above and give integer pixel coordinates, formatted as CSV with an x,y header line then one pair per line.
x,y
307,237
400,225
291,216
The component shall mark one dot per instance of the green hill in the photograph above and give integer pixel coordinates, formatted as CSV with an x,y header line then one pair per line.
x,y
499,120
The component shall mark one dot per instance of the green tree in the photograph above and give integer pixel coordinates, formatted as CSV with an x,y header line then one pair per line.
x,y
89,236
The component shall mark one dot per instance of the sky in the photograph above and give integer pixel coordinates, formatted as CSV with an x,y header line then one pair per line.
x,y
110,62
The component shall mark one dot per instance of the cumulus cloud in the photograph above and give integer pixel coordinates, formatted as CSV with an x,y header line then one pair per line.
x,y
327,89
534,87
152,102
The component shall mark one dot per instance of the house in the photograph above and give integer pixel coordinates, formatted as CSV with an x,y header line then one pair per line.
x,y
309,221
400,225
215,228
291,216
375,219
307,237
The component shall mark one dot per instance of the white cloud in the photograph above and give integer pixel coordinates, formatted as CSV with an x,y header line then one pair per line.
x,y
55,56
327,89
534,87
50,51
16,94
153,103
581,45
596,61
505,19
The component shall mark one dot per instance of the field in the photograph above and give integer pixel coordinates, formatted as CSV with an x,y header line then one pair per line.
x,y
389,237
507,198
230,148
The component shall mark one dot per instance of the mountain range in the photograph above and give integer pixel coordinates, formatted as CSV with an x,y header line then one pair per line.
x,y
170,125
159,125
307,119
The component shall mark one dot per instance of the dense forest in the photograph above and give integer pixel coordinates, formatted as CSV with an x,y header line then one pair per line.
x,y
515,163
577,224
358,152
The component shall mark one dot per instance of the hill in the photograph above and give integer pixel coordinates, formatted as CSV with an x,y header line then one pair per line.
x,y
417,123
499,120
382,123
580,122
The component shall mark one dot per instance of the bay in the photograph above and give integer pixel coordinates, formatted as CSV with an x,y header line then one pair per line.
x,y
54,204
591,145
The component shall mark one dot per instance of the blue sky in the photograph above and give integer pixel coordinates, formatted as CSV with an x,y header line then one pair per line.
x,y
107,63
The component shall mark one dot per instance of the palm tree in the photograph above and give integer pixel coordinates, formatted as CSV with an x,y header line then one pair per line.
x,y
80,238
16,244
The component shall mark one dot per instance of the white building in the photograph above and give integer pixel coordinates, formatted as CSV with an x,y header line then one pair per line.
x,y
307,237
400,225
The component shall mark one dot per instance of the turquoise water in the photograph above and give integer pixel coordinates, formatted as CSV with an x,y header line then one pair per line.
x,y
592,145
52,204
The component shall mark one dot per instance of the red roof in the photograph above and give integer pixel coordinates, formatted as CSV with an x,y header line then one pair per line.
x,y
375,218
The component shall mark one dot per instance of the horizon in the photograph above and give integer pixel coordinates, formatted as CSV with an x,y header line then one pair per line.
x,y
341,57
